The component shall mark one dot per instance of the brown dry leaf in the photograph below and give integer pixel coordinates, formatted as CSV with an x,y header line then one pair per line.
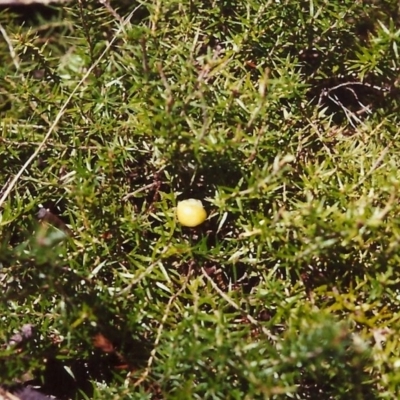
x,y
102,343
52,219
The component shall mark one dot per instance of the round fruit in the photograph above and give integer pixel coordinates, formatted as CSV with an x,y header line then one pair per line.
x,y
191,212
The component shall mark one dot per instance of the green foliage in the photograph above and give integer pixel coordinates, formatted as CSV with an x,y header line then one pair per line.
x,y
282,117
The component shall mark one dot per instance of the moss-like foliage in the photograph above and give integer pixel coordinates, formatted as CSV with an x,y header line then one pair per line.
x,y
282,118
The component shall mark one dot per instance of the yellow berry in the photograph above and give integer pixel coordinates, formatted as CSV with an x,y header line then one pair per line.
x,y
191,212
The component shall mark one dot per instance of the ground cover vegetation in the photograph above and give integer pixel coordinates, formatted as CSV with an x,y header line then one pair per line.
x,y
282,118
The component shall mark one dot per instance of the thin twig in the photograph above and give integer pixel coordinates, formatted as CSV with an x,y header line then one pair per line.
x,y
112,11
170,97
377,163
238,308
142,189
146,272
160,330
13,54
351,116
145,61
13,143
62,110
